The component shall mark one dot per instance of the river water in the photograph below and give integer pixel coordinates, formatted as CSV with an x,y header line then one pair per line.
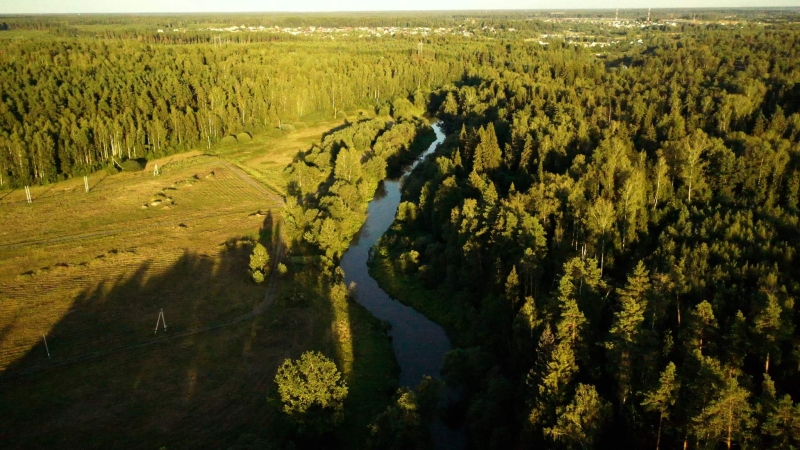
x,y
419,343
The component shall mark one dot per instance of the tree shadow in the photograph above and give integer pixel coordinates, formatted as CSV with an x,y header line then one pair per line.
x,y
10,191
200,380
113,380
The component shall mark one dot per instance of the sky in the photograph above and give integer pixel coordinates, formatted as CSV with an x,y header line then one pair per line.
x,y
139,6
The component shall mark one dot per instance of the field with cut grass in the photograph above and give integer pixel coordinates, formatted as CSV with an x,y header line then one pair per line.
x,y
91,272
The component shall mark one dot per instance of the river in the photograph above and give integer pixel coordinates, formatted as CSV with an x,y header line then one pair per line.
x,y
419,343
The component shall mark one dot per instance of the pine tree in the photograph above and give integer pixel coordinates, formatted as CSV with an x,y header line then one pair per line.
x,y
626,329
579,423
488,156
702,326
527,320
782,425
727,418
512,288
663,397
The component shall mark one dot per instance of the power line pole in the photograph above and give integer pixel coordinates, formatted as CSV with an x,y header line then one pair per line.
x,y
161,320
45,345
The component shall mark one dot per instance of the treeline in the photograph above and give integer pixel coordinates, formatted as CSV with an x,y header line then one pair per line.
x,y
329,187
70,106
614,245
331,184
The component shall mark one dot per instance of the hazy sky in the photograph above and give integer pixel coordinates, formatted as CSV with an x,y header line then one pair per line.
x,y
96,6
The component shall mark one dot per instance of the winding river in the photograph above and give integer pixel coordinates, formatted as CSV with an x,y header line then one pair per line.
x,y
419,344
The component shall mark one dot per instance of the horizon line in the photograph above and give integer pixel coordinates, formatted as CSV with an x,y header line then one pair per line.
x,y
709,8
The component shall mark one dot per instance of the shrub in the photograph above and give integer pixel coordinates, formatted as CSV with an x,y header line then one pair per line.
x,y
134,165
258,276
259,262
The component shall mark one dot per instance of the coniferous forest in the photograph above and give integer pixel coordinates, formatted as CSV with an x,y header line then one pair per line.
x,y
608,234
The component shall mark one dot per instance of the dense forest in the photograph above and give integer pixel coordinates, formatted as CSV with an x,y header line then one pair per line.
x,y
614,244
72,106
609,234
84,93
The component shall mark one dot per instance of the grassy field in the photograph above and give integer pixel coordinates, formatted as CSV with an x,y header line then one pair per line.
x,y
91,271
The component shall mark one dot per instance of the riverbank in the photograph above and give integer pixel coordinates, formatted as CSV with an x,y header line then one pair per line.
x,y
446,310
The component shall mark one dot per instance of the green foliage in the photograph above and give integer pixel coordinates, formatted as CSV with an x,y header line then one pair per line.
x,y
332,192
728,418
259,263
282,269
312,391
662,398
134,165
645,195
580,422
626,330
782,425
487,152
646,199
405,424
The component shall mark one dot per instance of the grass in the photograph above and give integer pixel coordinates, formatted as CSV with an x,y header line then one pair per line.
x,y
268,168
92,271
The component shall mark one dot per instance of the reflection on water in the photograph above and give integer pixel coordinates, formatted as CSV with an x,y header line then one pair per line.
x,y
419,344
